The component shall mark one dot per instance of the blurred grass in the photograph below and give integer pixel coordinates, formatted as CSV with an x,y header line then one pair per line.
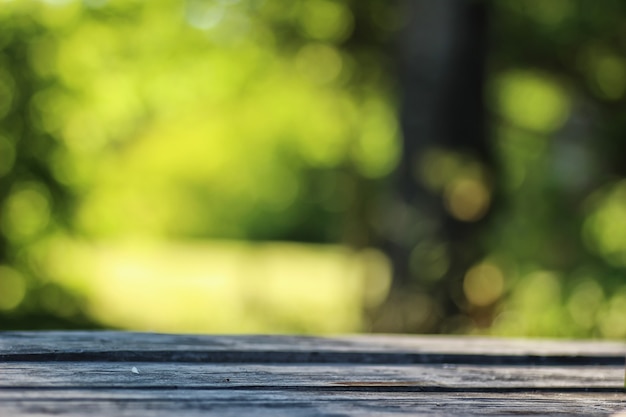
x,y
224,287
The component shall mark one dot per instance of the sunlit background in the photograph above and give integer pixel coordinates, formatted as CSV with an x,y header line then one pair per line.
x,y
314,166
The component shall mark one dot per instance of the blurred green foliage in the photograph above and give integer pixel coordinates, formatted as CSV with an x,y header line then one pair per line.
x,y
262,120
164,108
557,72
173,120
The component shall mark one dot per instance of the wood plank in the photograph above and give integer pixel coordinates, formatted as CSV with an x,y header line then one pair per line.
x,y
71,375
129,374
313,403
129,346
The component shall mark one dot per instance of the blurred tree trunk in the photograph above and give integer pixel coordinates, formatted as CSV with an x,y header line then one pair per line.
x,y
441,59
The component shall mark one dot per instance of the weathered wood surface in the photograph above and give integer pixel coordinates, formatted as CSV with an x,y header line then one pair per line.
x,y
131,374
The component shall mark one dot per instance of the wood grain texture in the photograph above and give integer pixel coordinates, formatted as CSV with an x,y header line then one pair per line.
x,y
307,403
91,373
150,347
339,376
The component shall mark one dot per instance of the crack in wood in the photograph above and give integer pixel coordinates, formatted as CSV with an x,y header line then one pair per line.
x,y
284,357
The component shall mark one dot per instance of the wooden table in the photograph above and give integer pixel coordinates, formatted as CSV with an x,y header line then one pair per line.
x,y
141,374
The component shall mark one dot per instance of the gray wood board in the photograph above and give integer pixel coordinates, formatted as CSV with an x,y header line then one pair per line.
x,y
303,402
131,374
306,403
383,349
336,376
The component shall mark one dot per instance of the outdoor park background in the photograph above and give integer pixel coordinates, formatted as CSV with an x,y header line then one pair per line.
x,y
314,166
